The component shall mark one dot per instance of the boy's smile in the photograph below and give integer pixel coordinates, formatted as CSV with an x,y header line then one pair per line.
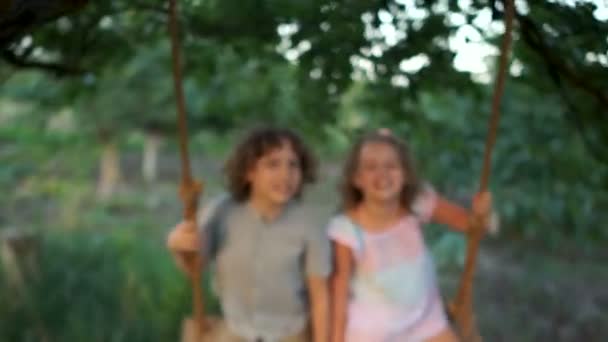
x,y
276,176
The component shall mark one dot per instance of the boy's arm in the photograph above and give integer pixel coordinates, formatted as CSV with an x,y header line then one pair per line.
x,y
341,279
319,308
318,271
201,236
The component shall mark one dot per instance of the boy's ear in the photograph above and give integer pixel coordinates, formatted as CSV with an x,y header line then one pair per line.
x,y
249,175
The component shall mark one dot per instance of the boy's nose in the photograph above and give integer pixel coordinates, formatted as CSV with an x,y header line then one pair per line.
x,y
283,173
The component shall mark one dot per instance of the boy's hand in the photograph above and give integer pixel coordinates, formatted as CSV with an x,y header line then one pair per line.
x,y
184,243
184,237
189,263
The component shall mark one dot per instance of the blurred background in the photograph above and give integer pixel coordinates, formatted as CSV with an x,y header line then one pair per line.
x,y
89,164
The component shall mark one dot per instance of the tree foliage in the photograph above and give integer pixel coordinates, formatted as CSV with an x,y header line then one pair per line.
x,y
335,69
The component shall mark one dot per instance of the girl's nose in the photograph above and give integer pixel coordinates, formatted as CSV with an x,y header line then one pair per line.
x,y
383,172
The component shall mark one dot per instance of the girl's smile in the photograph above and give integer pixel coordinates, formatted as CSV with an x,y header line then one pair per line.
x,y
379,176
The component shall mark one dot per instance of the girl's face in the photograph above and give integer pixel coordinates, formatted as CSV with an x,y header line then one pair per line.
x,y
379,175
276,176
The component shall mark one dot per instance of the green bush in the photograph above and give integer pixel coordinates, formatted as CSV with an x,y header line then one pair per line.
x,y
95,286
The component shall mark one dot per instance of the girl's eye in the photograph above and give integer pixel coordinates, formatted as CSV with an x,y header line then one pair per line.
x,y
369,166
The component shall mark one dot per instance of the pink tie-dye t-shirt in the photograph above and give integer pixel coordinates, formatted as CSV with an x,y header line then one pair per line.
x,y
393,291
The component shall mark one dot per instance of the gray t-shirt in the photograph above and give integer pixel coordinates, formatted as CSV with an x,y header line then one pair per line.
x,y
261,267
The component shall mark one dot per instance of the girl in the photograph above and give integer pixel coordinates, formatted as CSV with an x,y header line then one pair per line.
x,y
384,285
271,262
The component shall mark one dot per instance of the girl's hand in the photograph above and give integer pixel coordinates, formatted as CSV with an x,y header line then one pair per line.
x,y
482,204
482,210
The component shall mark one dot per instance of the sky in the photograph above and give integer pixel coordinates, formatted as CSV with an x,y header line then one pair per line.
x,y
470,55
472,52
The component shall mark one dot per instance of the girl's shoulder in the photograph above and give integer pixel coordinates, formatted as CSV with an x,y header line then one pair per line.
x,y
424,203
341,221
344,230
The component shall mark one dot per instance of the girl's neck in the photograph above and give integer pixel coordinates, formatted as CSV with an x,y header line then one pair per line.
x,y
268,210
379,215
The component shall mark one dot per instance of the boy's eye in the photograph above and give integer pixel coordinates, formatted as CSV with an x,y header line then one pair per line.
x,y
272,163
294,164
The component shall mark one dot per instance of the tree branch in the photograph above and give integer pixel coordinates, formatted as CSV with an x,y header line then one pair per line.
x,y
534,38
147,7
57,68
23,16
597,150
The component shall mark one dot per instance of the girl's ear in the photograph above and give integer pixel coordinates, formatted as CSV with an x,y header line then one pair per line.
x,y
356,180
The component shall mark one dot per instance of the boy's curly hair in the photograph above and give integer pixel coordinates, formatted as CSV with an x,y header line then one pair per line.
x,y
352,196
256,144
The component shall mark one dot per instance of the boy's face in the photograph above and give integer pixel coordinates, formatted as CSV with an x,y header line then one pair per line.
x,y
379,174
276,176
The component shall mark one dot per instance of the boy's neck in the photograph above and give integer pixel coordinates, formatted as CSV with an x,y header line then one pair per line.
x,y
268,210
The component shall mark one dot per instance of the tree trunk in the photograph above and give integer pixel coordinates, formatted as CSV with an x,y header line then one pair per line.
x,y
109,171
149,166
18,255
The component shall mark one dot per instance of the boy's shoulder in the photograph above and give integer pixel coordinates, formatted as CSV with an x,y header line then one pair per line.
x,y
306,217
300,213
218,208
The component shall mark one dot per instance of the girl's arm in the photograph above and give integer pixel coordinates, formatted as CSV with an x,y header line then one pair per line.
x,y
341,279
457,217
319,308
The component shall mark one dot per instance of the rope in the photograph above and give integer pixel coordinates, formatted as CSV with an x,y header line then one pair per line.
x,y
189,189
462,306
